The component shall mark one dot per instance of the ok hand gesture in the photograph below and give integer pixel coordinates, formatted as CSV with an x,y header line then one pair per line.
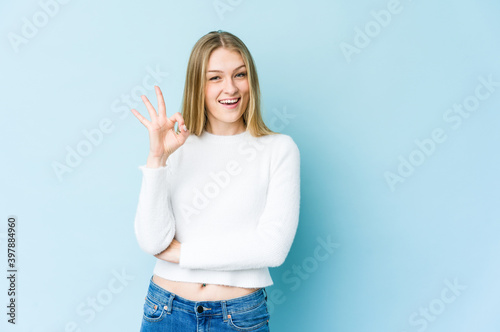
x,y
162,137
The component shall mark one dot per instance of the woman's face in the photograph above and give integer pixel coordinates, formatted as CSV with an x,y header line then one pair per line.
x,y
226,81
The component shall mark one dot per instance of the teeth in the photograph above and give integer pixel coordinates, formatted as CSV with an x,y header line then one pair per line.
x,y
229,101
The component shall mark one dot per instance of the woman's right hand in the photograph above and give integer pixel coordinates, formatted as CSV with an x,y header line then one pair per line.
x,y
162,137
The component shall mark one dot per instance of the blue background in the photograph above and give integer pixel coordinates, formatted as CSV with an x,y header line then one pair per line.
x,y
355,115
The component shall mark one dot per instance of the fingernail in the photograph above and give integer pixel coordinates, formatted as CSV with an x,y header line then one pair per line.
x,y
184,127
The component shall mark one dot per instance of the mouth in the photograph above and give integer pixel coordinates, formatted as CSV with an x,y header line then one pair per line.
x,y
230,103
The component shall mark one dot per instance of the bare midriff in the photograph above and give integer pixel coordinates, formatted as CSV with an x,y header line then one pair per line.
x,y
198,292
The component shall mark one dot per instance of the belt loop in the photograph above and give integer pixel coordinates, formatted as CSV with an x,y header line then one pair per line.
x,y
170,301
224,311
264,289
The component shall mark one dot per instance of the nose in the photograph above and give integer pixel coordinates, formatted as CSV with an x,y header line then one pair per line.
x,y
230,88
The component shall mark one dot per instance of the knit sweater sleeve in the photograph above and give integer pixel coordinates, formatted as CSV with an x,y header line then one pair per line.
x,y
270,241
154,223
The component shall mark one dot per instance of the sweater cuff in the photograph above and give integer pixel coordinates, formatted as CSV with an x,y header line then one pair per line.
x,y
153,173
144,168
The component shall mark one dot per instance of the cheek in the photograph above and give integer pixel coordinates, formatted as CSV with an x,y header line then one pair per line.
x,y
209,96
244,87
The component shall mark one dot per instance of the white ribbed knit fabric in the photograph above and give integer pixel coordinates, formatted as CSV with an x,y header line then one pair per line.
x,y
231,201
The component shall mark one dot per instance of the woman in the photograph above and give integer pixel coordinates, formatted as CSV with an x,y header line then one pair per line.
x,y
219,200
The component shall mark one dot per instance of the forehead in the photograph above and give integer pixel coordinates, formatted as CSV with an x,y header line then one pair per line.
x,y
224,60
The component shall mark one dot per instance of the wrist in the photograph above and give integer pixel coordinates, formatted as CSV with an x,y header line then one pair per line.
x,y
156,162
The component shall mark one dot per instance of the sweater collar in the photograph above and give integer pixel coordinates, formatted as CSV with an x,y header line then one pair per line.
x,y
208,137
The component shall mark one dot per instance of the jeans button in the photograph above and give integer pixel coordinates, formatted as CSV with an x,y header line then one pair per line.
x,y
200,309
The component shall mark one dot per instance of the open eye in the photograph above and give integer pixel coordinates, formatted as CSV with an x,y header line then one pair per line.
x,y
243,74
213,78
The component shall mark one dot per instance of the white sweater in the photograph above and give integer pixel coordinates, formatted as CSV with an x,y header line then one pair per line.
x,y
231,201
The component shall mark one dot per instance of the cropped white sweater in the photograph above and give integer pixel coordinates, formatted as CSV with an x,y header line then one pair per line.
x,y
231,201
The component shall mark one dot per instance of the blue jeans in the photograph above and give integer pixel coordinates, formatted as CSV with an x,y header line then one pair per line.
x,y
165,311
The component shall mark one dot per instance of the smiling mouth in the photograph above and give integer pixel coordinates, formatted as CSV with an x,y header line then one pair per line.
x,y
231,101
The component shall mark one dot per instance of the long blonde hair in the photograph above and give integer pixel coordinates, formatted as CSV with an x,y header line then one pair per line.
x,y
193,105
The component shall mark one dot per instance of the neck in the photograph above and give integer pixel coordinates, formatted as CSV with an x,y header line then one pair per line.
x,y
227,130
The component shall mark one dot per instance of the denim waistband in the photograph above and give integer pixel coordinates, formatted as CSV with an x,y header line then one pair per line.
x,y
206,307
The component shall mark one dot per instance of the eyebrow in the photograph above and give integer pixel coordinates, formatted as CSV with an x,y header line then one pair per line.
x,y
220,71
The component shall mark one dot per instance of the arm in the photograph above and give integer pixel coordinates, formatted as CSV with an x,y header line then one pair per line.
x,y
269,243
154,223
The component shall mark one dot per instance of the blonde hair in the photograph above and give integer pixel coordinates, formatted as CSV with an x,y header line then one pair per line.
x,y
193,105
